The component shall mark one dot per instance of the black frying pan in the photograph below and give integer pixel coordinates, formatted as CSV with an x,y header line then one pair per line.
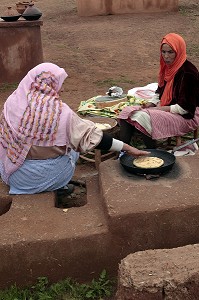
x,y
169,160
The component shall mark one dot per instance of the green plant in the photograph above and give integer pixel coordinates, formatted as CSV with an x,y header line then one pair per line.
x,y
114,82
14,293
183,10
100,288
62,290
4,87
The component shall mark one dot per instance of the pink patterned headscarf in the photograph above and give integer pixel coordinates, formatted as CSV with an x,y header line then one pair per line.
x,y
32,115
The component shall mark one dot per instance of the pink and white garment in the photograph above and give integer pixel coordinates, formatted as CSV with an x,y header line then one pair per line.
x,y
33,115
163,124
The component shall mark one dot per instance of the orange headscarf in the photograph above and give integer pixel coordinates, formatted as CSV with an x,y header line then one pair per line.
x,y
167,72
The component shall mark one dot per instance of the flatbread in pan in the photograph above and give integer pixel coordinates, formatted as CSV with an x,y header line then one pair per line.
x,y
169,159
148,162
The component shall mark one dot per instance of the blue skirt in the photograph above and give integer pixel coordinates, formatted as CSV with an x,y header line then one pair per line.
x,y
36,176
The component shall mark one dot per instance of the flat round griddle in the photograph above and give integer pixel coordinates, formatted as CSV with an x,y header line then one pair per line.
x,y
126,161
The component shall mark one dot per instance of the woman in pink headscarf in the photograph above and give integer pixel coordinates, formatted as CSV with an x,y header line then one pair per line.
x,y
40,136
174,111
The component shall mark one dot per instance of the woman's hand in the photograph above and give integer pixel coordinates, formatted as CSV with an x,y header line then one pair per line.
x,y
148,105
163,108
134,151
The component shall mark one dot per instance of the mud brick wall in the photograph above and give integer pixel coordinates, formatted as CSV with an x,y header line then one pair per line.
x,y
20,49
107,7
160,274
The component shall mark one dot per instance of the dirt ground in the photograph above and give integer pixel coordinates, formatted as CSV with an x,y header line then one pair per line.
x,y
98,52
102,51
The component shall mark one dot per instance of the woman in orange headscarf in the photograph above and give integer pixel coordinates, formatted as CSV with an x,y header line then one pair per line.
x,y
174,111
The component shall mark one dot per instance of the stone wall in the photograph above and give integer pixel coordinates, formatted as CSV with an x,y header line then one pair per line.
x,y
20,49
106,7
160,274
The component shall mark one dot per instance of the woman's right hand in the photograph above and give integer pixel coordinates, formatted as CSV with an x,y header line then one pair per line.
x,y
134,151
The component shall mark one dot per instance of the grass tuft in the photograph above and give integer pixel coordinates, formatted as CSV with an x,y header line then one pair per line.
x,y
67,289
114,82
4,87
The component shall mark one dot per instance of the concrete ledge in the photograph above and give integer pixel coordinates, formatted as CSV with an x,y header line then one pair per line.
x,y
129,214
107,7
152,214
160,274
37,239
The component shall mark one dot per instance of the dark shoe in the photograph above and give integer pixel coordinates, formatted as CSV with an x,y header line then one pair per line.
x,y
66,190
71,196
75,201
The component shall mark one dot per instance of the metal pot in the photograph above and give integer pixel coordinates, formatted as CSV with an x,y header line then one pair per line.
x,y
21,6
32,13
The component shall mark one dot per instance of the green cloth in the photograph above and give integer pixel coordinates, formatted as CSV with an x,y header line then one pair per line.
x,y
88,107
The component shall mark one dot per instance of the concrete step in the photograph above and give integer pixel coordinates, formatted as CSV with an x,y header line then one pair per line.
x,y
38,239
124,214
151,214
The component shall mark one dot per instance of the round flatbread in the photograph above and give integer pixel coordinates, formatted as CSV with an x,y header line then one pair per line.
x,y
102,126
148,162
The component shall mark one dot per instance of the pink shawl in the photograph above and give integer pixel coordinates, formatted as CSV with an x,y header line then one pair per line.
x,y
33,115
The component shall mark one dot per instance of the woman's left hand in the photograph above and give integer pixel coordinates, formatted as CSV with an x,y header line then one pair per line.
x,y
148,105
163,108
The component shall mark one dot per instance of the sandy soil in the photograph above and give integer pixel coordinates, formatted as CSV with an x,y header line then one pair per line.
x,y
102,51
